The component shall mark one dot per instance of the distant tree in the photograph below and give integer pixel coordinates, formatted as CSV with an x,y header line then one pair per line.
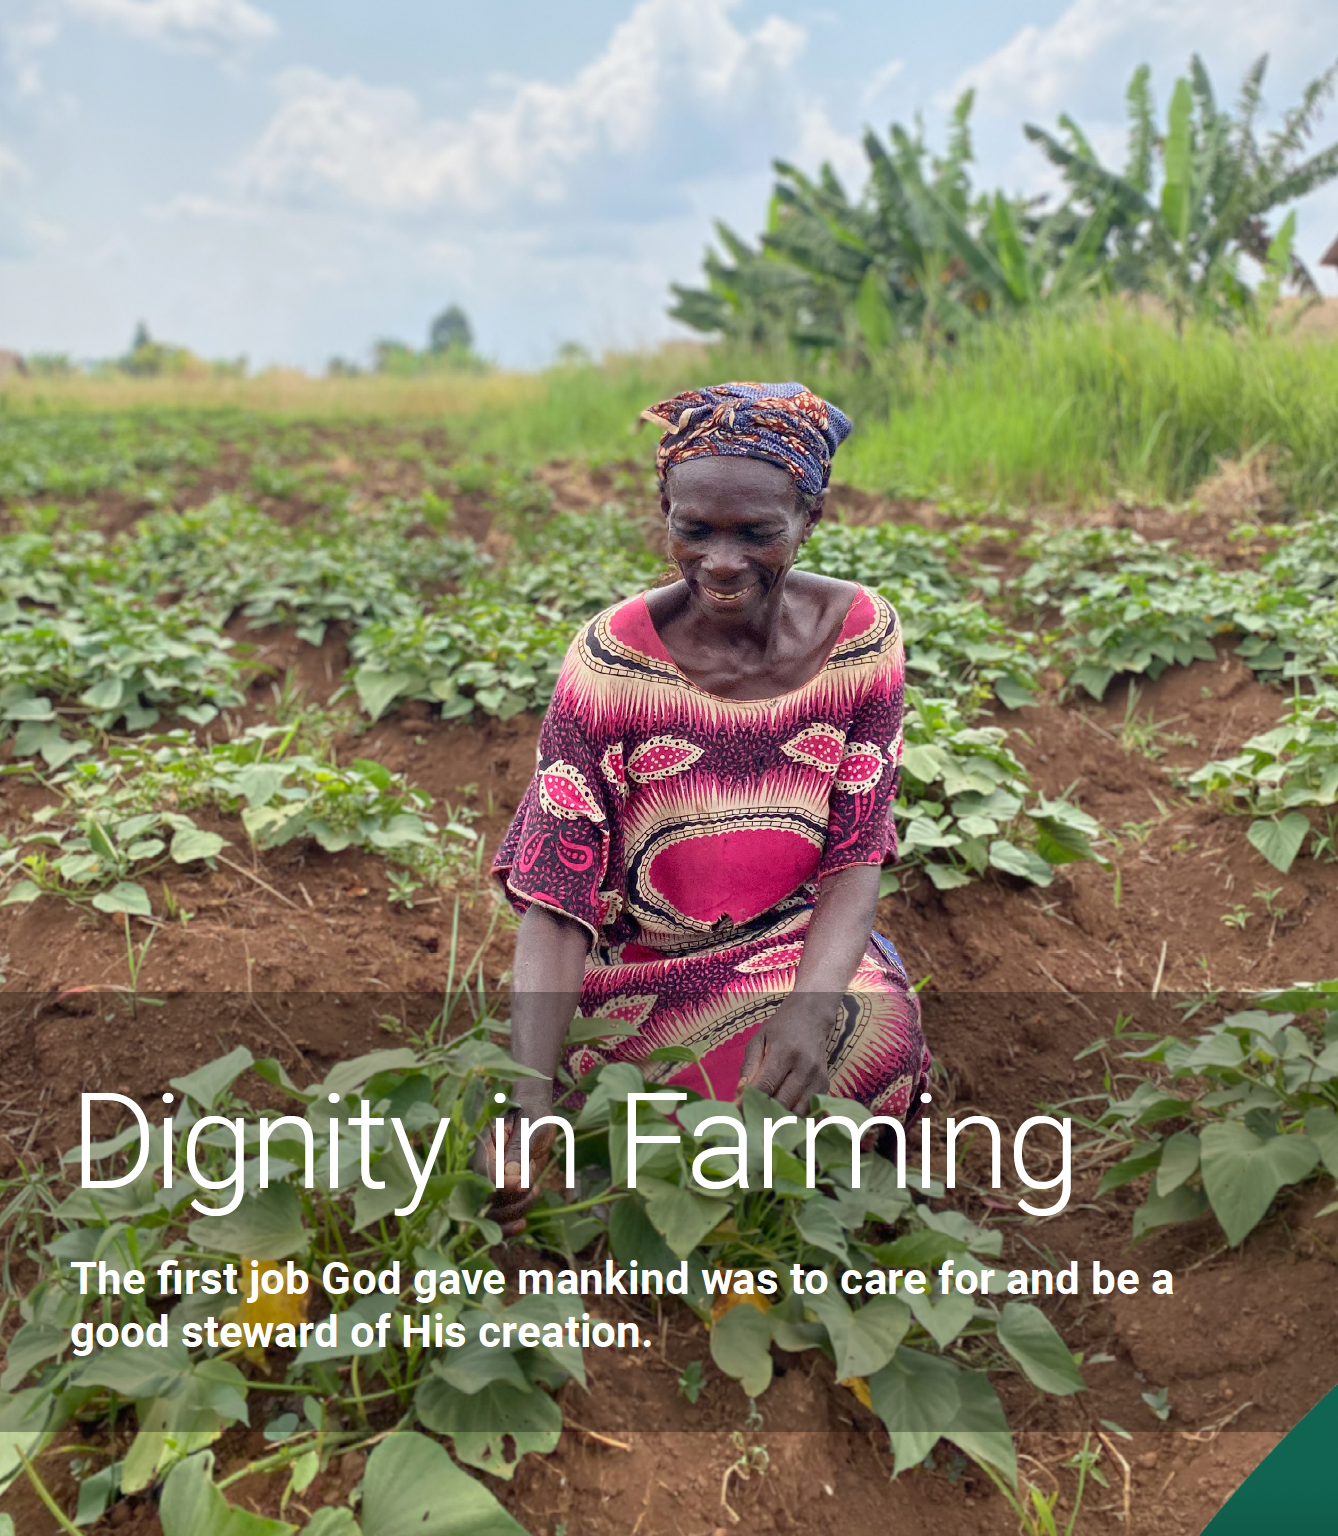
x,y
397,357
147,358
451,331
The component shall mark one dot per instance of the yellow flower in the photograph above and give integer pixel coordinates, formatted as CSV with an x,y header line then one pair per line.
x,y
859,1385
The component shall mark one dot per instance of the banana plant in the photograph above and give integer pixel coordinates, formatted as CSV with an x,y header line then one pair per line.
x,y
1183,239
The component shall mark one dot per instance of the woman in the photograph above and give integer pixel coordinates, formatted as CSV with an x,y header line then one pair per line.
x,y
698,854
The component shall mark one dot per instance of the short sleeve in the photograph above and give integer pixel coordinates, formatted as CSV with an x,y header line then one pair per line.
x,y
556,851
860,824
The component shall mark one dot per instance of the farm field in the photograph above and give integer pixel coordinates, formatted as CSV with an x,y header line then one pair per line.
x,y
271,688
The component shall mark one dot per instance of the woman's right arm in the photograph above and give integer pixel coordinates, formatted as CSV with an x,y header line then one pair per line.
x,y
545,992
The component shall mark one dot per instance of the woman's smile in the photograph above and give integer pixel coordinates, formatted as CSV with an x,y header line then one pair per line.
x,y
723,599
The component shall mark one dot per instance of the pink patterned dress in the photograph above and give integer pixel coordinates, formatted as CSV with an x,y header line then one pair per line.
x,y
689,832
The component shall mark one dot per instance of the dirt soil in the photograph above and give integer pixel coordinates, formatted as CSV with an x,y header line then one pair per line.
x,y
298,954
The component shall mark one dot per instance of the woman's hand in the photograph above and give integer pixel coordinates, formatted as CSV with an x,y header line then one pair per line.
x,y
787,1058
512,1202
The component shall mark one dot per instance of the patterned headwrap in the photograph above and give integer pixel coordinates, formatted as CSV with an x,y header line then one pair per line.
x,y
782,423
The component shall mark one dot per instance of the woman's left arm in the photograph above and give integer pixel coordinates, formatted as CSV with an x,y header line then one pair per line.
x,y
787,1058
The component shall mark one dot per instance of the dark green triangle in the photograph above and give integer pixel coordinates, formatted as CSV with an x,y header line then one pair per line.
x,y
1292,1489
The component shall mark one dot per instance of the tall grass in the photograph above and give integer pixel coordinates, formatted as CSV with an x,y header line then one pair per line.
x,y
1068,408
1057,409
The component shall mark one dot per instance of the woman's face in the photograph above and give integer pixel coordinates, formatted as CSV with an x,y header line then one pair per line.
x,y
734,530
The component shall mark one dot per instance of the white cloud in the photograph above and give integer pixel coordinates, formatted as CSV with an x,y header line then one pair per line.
x,y
183,23
24,39
1042,70
13,172
679,92
881,78
820,141
191,205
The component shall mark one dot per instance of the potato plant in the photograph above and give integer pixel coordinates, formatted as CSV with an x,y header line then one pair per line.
x,y
1225,1122
920,1361
177,1401
1280,773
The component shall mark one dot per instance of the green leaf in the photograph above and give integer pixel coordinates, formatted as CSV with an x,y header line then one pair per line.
x,y
1030,1337
1279,841
31,1345
943,1317
258,783
681,1216
28,709
1184,1203
413,1488
631,1236
333,1520
924,762
922,1397
1095,679
193,1505
1142,1161
863,1338
741,1347
1321,1125
1013,860
104,695
266,1225
100,843
125,896
1243,1172
819,1224
947,877
24,1420
471,1366
672,1053
493,1428
1179,1159
96,1493
349,1076
1011,693
189,843
582,1030
20,893
378,690
875,318
1175,192
208,1082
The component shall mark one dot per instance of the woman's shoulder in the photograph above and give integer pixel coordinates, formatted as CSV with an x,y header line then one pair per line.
x,y
611,662
828,598
870,635
623,633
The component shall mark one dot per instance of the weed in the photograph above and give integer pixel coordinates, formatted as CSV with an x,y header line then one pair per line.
x,y
402,887
1036,1511
693,1379
1146,735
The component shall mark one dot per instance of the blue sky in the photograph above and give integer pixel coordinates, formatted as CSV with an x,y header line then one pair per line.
x,y
291,179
